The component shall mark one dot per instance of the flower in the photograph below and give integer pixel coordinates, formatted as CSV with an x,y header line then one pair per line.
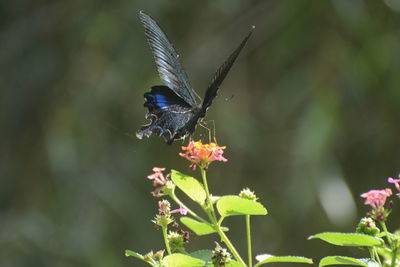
x,y
157,177
396,183
181,210
376,198
202,154
162,183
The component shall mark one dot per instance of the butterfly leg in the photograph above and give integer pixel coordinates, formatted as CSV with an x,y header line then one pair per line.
x,y
214,131
204,125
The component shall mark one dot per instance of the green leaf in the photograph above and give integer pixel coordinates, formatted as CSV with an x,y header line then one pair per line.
x,y
199,228
130,253
181,260
190,186
348,239
234,205
343,260
204,255
266,258
385,252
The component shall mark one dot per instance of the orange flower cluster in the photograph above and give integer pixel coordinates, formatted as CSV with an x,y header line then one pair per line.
x,y
202,154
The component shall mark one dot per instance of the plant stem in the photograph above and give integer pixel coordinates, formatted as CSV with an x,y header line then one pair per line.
x,y
391,243
179,202
211,214
377,256
249,254
164,231
209,205
371,253
394,253
388,237
228,243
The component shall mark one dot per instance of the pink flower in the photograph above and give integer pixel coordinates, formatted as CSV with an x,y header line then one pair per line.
x,y
157,177
376,198
181,210
396,183
202,154
159,181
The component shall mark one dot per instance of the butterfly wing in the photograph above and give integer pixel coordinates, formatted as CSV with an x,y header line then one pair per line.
x,y
167,60
221,73
171,117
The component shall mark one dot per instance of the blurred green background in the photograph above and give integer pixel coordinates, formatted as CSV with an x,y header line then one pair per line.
x,y
309,113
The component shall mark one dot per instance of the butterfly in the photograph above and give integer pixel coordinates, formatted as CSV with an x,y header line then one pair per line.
x,y
172,108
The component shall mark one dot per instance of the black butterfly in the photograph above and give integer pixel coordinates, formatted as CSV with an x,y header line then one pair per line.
x,y
173,110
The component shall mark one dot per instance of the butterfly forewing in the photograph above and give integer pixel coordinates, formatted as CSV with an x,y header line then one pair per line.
x,y
168,65
221,73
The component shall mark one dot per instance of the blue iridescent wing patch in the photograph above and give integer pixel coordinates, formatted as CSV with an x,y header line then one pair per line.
x,y
160,97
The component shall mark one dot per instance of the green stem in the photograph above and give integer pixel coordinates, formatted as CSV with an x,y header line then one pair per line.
x,y
209,206
392,244
394,256
211,214
228,243
371,253
389,238
377,256
249,254
177,200
164,231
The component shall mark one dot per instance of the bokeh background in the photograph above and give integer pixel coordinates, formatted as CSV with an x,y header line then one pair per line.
x,y
309,113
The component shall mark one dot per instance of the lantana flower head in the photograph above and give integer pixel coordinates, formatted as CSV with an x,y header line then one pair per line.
x,y
376,198
161,182
202,154
157,177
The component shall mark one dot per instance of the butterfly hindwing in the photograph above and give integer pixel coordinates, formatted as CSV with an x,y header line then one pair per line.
x,y
167,60
170,116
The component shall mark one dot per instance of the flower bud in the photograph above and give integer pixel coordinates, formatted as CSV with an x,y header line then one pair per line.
x,y
151,257
367,226
246,193
176,242
159,255
163,218
220,256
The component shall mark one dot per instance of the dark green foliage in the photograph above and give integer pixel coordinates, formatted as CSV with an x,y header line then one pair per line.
x,y
314,98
